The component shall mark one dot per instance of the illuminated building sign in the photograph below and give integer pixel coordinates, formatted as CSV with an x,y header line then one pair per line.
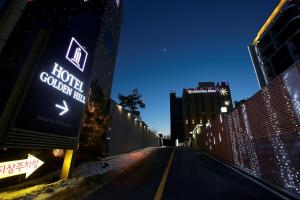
x,y
62,80
56,99
46,98
76,54
18,167
222,91
202,90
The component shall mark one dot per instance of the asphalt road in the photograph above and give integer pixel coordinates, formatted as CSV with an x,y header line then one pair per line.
x,y
192,175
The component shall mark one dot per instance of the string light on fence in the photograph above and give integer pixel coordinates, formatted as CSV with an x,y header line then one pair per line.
x,y
289,175
254,163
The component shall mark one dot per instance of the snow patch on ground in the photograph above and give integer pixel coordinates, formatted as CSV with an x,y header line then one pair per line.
x,y
44,191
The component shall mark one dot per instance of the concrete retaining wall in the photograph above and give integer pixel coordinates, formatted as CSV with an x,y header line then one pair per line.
x,y
128,133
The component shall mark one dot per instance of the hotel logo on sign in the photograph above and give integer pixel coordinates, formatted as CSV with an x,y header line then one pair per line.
x,y
202,90
77,55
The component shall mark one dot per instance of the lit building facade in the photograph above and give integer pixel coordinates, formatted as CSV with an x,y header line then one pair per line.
x,y
198,106
277,45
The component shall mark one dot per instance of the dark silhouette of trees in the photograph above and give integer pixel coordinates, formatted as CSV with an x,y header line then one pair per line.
x,y
240,102
96,122
132,102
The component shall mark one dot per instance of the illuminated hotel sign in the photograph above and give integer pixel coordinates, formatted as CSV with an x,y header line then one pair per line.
x,y
62,80
202,90
222,91
47,96
55,102
76,54
18,167
65,82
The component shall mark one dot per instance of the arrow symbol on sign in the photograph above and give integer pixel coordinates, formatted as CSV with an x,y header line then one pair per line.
x,y
17,167
64,108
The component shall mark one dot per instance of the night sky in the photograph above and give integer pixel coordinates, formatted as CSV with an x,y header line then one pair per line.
x,y
1,3
168,45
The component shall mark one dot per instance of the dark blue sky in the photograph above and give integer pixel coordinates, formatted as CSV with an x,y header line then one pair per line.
x,y
203,41
168,45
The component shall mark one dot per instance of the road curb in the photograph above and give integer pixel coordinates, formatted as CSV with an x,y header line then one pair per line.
x,y
272,188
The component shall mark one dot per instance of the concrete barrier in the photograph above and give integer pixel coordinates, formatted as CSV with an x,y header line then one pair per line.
x,y
128,132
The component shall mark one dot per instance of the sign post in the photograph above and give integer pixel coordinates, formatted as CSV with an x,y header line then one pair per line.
x,y
65,171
